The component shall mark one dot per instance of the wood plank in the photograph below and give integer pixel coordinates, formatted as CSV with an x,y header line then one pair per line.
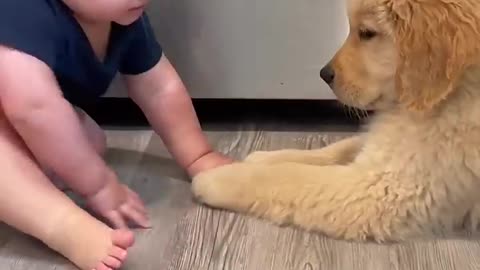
x,y
189,236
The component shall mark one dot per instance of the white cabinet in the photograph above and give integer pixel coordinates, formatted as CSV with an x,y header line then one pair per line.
x,y
255,49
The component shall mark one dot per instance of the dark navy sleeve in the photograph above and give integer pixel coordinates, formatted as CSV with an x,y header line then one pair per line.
x,y
29,26
144,51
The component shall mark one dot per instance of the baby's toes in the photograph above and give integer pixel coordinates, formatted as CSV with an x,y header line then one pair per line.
x,y
112,262
102,266
121,240
118,253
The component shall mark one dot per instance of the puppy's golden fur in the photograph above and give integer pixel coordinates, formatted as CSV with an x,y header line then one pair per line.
x,y
417,168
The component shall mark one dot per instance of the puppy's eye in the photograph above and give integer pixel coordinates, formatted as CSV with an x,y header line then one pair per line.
x,y
366,34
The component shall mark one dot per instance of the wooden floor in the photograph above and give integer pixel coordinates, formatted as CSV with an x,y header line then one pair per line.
x,y
187,236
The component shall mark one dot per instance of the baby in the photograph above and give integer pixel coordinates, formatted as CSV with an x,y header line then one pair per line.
x,y
56,57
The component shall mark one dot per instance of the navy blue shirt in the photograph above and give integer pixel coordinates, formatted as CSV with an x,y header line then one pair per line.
x,y
47,30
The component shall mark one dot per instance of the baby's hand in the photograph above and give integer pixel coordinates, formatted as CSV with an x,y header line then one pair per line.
x,y
118,204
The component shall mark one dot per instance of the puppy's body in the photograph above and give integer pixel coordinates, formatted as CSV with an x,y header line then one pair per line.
x,y
416,170
430,163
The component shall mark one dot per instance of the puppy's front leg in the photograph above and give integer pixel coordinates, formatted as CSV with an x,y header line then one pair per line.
x,y
340,201
341,152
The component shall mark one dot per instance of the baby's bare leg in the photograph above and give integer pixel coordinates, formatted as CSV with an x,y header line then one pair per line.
x,y
337,153
30,203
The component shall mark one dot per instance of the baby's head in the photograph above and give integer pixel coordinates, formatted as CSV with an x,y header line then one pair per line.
x,y
123,12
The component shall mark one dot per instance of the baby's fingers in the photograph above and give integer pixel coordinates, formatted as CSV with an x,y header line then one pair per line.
x,y
117,220
138,217
136,202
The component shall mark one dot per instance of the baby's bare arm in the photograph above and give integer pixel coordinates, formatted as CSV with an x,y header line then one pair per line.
x,y
163,98
34,105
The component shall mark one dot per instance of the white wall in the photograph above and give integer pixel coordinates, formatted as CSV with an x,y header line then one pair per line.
x,y
250,48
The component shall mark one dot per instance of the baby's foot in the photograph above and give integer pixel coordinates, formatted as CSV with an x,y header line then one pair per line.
x,y
121,240
89,243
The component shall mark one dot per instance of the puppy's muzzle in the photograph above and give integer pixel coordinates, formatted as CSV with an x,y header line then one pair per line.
x,y
327,74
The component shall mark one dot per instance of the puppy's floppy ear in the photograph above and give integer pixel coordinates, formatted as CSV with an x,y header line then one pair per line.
x,y
436,40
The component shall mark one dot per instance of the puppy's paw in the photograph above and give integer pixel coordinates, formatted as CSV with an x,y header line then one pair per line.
x,y
272,157
260,157
229,187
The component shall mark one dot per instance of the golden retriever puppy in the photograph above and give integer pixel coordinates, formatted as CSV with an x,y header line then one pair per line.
x,y
416,170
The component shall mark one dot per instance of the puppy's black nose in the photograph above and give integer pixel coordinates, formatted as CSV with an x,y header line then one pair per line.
x,y
327,74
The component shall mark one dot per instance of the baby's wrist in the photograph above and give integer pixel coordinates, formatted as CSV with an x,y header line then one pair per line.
x,y
108,196
191,168
102,181
208,161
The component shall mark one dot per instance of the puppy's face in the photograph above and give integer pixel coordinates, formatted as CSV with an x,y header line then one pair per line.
x,y
362,73
407,52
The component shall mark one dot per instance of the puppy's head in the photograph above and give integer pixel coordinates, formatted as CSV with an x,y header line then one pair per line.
x,y
408,52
